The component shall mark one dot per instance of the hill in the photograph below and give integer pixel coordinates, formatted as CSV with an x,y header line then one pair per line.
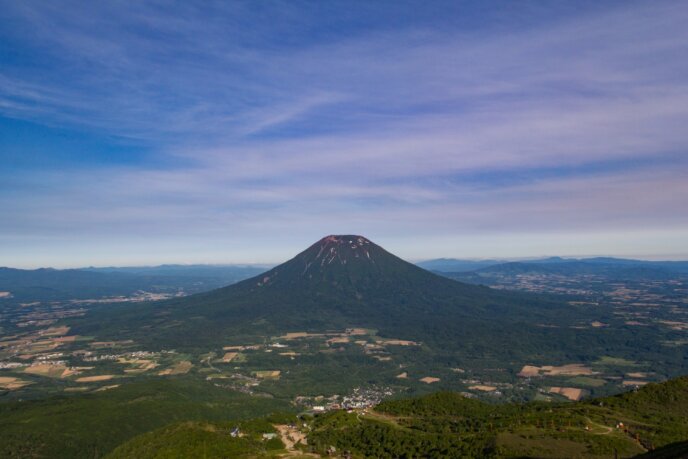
x,y
649,422
90,425
449,425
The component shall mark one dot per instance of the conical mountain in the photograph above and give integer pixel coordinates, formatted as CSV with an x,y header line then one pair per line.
x,y
340,281
343,265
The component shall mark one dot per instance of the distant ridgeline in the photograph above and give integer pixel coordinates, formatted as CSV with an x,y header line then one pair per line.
x,y
96,283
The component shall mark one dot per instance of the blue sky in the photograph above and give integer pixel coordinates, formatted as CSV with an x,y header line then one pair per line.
x,y
161,132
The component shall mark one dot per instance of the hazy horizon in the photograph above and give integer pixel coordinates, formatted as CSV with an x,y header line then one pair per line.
x,y
271,263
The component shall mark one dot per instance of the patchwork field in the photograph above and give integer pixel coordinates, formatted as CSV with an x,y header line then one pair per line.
x,y
483,388
98,378
264,374
11,383
573,369
572,393
51,371
179,368
229,356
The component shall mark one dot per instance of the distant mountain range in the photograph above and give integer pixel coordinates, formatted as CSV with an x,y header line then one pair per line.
x,y
47,284
598,265
453,265
229,271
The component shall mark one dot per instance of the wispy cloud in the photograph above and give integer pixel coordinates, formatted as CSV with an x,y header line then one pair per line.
x,y
258,122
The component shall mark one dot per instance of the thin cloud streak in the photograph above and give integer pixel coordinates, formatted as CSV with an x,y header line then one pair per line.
x,y
394,132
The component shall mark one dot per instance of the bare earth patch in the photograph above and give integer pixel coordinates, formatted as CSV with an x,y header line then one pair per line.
x,y
483,388
11,383
629,382
357,331
291,436
65,339
297,335
85,379
529,371
396,342
637,374
267,374
179,368
100,389
139,365
572,393
674,325
50,371
229,356
55,331
572,369
338,340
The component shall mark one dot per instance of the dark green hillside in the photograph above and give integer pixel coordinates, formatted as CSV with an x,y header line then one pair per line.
x,y
87,426
449,425
202,440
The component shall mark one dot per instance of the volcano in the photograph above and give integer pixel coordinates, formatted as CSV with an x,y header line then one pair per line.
x,y
344,265
340,281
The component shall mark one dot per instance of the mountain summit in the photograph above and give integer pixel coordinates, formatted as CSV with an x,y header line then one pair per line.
x,y
330,253
342,262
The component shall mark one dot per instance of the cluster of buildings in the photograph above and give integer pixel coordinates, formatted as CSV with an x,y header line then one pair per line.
x,y
360,398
